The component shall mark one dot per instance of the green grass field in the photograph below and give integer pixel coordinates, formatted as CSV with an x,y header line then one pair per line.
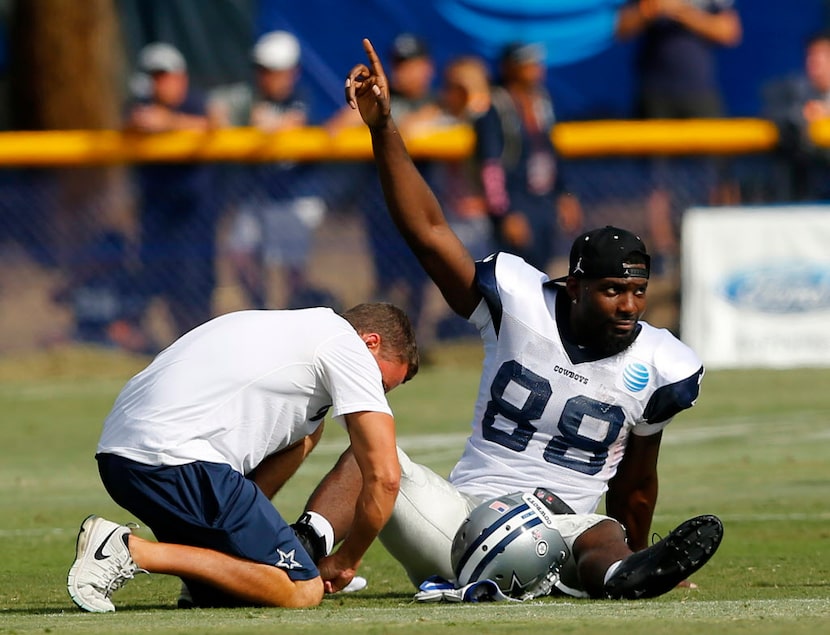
x,y
755,451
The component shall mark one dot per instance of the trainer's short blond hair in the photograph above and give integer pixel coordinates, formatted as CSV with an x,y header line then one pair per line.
x,y
395,330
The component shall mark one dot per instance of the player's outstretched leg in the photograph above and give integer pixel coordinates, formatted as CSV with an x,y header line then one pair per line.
x,y
103,564
661,567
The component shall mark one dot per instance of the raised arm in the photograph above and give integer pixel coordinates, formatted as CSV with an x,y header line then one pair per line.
x,y
411,203
723,28
633,18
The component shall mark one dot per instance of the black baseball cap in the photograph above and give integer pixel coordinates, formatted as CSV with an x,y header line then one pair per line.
x,y
608,252
408,46
523,53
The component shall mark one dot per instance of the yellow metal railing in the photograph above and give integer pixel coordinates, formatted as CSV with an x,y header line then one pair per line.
x,y
573,139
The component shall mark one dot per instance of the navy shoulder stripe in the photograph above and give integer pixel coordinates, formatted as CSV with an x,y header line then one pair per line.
x,y
669,400
486,283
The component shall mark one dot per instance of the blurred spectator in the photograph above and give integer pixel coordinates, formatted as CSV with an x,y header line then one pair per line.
x,y
101,292
178,203
522,175
678,80
466,99
398,275
793,104
274,226
411,73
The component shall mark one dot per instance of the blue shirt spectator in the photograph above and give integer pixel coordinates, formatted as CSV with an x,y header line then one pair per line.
x,y
178,204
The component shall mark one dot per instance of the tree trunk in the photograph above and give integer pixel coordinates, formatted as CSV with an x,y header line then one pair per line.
x,y
67,70
67,64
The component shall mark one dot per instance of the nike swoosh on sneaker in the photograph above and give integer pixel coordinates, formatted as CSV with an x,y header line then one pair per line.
x,y
99,552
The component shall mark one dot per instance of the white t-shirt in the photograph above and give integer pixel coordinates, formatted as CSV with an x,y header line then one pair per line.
x,y
547,414
243,386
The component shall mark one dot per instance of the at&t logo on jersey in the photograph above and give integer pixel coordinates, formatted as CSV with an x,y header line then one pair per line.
x,y
635,376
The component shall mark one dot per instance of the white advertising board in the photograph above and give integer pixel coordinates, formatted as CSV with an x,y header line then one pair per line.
x,y
756,286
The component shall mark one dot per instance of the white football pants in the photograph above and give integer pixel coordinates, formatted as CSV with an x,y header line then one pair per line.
x,y
428,512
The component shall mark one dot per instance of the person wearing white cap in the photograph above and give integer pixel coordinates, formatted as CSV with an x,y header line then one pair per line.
x,y
274,226
276,57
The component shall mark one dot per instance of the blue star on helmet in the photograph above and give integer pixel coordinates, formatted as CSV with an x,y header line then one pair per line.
x,y
516,586
287,561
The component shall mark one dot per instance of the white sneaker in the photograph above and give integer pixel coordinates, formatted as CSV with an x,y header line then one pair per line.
x,y
358,583
103,564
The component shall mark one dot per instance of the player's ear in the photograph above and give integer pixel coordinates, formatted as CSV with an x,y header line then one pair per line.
x,y
572,288
372,340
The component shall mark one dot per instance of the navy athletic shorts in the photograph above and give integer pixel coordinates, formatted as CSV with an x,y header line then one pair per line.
x,y
207,505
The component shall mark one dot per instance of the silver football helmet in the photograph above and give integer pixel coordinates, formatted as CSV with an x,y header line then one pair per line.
x,y
511,540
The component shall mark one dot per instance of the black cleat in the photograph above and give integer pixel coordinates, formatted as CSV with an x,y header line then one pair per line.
x,y
185,600
664,565
311,541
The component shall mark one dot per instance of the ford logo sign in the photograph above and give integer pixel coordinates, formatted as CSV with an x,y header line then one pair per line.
x,y
784,289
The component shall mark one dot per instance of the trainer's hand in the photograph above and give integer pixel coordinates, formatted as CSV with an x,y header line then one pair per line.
x,y
335,574
367,89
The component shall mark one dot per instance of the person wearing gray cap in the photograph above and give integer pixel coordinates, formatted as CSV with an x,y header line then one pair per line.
x,y
161,57
169,102
177,201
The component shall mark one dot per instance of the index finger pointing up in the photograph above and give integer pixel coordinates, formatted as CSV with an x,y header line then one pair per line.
x,y
374,60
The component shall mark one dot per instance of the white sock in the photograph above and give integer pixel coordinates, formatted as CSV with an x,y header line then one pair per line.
x,y
611,570
323,528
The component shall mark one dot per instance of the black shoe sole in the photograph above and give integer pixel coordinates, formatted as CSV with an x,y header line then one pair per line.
x,y
314,544
664,565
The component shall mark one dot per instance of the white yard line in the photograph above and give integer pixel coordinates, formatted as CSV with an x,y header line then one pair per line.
x,y
783,518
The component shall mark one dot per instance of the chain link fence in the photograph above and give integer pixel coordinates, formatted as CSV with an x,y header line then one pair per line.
x,y
132,255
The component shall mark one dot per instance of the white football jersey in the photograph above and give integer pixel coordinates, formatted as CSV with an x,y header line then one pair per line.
x,y
547,415
242,386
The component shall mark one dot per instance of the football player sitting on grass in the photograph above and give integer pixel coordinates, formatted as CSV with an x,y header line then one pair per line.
x,y
575,393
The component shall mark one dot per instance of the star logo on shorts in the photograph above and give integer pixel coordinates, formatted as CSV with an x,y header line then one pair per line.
x,y
287,561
